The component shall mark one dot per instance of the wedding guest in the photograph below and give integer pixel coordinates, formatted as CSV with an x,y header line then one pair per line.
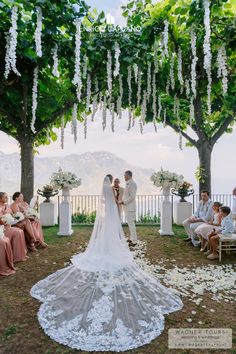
x,y
204,230
203,214
118,192
19,205
226,229
6,257
15,236
24,224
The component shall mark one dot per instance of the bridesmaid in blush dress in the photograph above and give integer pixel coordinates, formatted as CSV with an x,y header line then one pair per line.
x,y
19,205
22,227
6,257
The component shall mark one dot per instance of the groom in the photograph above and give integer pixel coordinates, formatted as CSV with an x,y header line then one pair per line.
x,y
129,203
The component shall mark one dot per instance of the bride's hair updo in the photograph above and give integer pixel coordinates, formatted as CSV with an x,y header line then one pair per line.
x,y
110,177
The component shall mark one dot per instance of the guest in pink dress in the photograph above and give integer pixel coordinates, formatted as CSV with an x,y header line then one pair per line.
x,y
204,230
6,257
19,205
23,225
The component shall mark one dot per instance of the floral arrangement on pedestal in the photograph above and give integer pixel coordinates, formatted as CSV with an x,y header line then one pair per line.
x,y
183,191
65,180
166,179
47,192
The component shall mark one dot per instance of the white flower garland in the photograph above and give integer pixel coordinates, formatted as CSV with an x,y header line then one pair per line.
x,y
159,107
129,119
154,100
149,80
187,88
141,126
156,64
207,51
77,75
85,67
120,98
88,93
74,122
34,98
172,72
11,44
166,38
136,72
112,117
38,32
117,60
194,63
180,141
164,118
104,113
139,89
144,107
129,78
168,86
191,111
62,133
85,126
180,69
55,71
95,100
222,67
109,72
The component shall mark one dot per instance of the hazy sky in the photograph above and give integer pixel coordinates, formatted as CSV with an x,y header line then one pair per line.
x,y
150,150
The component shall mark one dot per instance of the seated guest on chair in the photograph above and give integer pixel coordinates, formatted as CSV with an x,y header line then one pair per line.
x,y
203,214
6,256
226,230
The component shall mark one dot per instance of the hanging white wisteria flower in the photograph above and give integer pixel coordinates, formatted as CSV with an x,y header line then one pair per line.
x,y
207,51
159,107
222,67
129,85
141,126
129,119
62,132
136,72
109,72
194,63
180,141
88,93
172,72
187,88
95,100
133,119
162,50
11,44
191,111
164,118
139,87
85,67
77,75
154,100
166,38
117,60
168,86
180,69
55,71
85,126
104,113
38,32
112,117
74,122
156,64
120,97
34,98
144,107
149,80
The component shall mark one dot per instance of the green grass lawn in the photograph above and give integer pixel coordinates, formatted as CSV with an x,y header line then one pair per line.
x,y
19,329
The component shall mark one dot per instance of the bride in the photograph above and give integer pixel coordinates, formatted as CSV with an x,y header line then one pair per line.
x,y
103,301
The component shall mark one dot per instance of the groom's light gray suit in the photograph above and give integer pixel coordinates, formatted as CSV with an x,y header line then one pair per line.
x,y
129,200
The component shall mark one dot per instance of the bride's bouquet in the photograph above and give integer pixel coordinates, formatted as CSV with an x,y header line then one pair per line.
x,y
19,216
8,219
63,179
165,179
1,231
31,213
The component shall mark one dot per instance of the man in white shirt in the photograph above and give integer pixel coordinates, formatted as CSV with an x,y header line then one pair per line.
x,y
129,203
203,214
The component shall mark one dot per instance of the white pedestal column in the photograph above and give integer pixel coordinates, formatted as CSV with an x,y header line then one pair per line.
x,y
48,213
166,214
182,211
65,221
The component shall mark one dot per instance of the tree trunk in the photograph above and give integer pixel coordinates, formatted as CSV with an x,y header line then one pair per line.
x,y
204,153
27,169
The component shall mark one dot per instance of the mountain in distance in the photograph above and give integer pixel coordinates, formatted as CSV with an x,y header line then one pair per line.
x,y
91,167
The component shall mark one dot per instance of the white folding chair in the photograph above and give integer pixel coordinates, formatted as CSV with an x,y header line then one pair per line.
x,y
227,243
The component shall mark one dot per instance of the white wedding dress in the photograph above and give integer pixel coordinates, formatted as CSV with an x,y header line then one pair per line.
x,y
103,301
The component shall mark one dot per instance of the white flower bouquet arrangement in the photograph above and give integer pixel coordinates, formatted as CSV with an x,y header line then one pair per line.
x,y
31,213
63,179
1,231
19,216
8,219
165,179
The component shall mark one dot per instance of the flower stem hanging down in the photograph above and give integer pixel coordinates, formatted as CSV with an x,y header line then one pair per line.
x,y
55,71
180,74
34,98
222,67
207,51
193,64
11,44
95,100
88,94
62,132
74,122
154,100
166,38
117,60
77,75
38,32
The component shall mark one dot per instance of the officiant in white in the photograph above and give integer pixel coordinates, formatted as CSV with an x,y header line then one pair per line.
x,y
118,192
129,203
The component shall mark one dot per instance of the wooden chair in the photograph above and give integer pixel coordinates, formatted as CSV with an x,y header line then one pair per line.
x,y
227,243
